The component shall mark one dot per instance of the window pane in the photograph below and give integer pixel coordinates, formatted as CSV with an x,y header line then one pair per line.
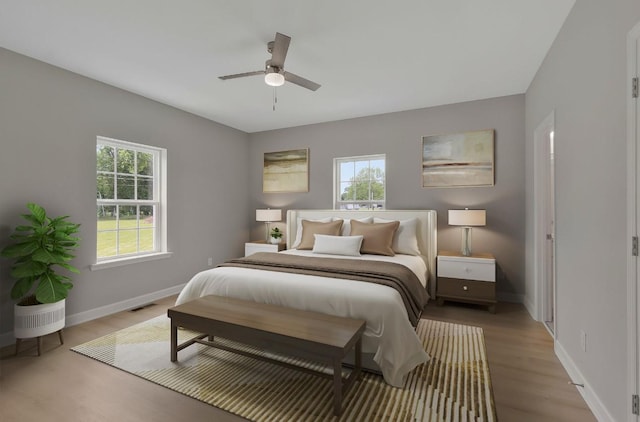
x,y
106,245
348,193
362,169
362,190
126,162
127,241
377,191
147,216
346,171
145,163
126,187
106,217
127,217
146,240
145,187
104,158
104,185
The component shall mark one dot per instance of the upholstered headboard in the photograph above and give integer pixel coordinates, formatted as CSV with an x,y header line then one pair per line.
x,y
426,233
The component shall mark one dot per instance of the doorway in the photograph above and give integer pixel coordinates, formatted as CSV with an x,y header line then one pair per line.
x,y
633,216
544,179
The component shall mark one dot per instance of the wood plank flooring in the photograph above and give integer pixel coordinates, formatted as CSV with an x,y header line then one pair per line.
x,y
528,381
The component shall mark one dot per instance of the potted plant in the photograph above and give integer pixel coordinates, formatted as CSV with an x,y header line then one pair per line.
x,y
276,235
40,249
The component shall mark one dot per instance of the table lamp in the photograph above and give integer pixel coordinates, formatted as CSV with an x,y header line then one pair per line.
x,y
268,216
467,218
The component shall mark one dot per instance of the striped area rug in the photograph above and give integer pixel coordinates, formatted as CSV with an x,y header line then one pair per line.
x,y
453,386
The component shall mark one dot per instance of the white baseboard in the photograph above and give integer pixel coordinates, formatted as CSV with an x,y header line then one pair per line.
x,y
593,401
531,308
7,338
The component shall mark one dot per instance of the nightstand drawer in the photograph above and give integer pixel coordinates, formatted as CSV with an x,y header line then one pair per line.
x,y
475,290
468,269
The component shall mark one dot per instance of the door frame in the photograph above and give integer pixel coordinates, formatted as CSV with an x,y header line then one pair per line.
x,y
540,186
633,38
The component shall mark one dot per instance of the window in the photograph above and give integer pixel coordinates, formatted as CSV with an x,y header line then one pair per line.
x,y
359,182
131,217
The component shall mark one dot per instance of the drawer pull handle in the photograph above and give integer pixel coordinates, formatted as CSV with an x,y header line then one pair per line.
x,y
467,269
465,288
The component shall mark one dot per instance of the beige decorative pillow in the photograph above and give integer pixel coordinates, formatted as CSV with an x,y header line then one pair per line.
x,y
377,237
309,228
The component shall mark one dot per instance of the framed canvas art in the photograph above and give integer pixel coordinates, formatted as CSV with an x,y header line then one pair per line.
x,y
286,171
458,160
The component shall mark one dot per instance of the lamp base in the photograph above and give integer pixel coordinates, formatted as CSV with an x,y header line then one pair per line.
x,y
466,241
266,231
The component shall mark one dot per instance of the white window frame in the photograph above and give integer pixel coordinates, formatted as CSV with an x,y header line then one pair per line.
x,y
337,191
160,202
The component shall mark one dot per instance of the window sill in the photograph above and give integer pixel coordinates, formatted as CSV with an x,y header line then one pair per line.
x,y
119,262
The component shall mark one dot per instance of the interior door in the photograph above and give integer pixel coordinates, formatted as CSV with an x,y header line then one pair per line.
x,y
633,216
550,244
544,210
635,135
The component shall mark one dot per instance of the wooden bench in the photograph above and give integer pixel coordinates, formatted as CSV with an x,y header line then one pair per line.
x,y
303,334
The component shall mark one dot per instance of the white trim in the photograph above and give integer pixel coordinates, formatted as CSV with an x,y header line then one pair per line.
x,y
7,339
530,306
119,262
632,173
540,174
590,397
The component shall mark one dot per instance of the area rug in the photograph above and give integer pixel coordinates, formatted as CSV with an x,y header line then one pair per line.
x,y
453,386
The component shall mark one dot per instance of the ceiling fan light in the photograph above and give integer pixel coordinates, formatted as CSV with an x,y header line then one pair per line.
x,y
274,79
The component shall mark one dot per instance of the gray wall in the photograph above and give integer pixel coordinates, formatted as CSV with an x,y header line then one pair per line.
x,y
399,136
584,79
49,120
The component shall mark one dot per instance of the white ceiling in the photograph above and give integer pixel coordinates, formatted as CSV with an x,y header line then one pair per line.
x,y
370,56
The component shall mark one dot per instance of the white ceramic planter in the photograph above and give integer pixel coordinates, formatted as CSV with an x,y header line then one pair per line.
x,y
38,320
275,240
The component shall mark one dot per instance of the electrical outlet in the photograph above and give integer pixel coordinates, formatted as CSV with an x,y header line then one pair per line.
x,y
210,261
583,341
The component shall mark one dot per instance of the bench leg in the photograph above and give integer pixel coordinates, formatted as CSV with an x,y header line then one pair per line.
x,y
337,387
174,342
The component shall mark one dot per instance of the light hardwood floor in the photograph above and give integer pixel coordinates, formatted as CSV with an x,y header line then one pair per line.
x,y
528,381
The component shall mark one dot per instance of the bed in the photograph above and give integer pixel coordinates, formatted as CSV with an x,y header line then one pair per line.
x,y
390,344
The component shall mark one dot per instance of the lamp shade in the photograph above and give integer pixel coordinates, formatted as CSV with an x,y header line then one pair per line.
x,y
274,79
268,215
467,217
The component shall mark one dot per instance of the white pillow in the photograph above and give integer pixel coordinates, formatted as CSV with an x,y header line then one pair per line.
x,y
405,240
346,224
337,245
296,243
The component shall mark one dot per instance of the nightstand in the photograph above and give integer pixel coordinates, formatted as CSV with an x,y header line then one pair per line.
x,y
470,279
262,246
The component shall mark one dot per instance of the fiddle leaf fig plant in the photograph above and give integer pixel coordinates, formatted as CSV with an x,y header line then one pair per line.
x,y
40,249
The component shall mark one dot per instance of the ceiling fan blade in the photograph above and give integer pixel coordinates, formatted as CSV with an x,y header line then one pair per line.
x,y
279,51
241,75
299,80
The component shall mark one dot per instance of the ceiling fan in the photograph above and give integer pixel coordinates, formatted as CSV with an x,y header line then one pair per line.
x,y
274,73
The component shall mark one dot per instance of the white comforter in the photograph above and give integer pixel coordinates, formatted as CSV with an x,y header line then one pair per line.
x,y
388,335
